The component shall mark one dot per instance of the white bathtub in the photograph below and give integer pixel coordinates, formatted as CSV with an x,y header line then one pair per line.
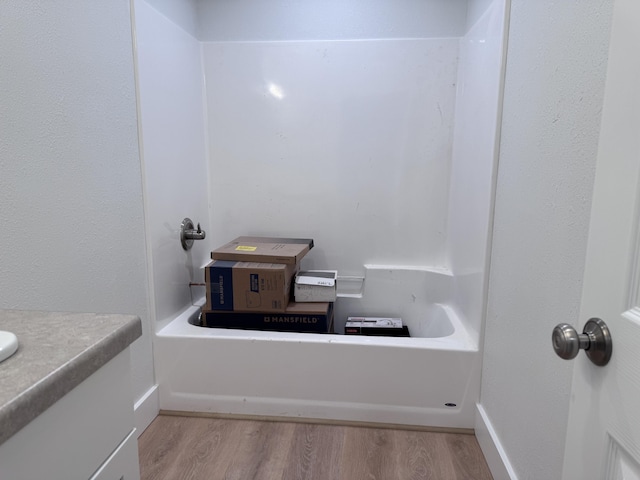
x,y
413,381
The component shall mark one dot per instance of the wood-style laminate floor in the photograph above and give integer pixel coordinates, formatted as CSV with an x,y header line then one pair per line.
x,y
181,448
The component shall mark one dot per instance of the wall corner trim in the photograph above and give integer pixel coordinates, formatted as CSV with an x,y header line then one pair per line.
x,y
494,454
146,409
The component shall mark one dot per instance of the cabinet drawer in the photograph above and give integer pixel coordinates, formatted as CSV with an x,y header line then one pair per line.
x,y
123,463
73,437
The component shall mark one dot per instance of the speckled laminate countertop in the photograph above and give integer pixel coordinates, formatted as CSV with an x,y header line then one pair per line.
x,y
56,352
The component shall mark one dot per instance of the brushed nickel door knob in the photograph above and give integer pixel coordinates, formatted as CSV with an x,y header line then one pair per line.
x,y
595,340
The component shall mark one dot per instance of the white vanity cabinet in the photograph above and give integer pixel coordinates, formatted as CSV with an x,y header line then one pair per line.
x,y
66,406
87,434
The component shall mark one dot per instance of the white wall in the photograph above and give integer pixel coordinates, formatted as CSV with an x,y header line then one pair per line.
x,y
553,95
474,160
259,20
172,122
72,236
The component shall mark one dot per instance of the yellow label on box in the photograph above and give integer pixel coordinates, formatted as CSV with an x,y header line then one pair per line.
x,y
244,248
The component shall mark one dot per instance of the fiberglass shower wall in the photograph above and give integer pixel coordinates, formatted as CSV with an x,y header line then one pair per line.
x,y
173,150
339,121
376,142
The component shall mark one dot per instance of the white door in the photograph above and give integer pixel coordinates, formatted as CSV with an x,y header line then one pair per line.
x,y
603,438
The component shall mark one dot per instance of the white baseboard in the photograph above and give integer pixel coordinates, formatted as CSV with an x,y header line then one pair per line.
x,y
146,409
492,448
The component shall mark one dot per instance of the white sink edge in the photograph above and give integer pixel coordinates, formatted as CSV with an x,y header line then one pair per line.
x,y
8,345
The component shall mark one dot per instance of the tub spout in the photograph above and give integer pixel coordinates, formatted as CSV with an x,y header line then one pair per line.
x,y
188,234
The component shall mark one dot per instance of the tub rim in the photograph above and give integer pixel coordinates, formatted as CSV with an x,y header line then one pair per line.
x,y
460,339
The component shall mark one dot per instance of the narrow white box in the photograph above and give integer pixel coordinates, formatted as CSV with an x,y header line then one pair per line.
x,y
374,322
315,286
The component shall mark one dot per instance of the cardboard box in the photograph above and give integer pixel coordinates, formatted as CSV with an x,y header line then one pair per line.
x,y
298,317
264,249
389,327
315,286
248,286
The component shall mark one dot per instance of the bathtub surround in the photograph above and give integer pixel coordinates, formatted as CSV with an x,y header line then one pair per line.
x,y
282,20
351,127
394,95
174,151
363,131
474,161
183,13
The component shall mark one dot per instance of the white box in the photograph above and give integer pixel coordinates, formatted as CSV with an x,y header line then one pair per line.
x,y
376,326
315,286
374,322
